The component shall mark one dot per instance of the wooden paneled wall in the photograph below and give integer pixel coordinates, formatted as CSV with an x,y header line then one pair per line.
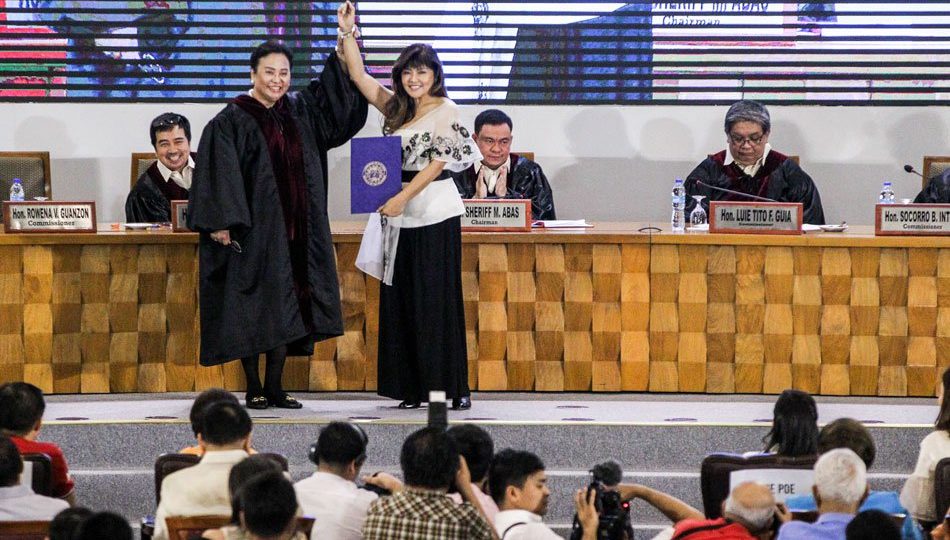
x,y
596,312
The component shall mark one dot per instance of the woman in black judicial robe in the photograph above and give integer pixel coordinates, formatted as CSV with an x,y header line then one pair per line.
x,y
268,281
421,315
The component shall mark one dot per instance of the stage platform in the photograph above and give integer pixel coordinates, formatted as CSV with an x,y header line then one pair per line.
x,y
111,441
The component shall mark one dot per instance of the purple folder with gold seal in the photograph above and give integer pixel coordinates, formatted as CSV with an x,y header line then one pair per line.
x,y
375,172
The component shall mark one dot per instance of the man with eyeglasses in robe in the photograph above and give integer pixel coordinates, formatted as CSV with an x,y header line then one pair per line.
x,y
169,178
750,165
501,174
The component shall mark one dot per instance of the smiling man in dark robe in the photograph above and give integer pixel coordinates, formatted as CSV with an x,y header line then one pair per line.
x,y
749,165
169,178
502,174
268,281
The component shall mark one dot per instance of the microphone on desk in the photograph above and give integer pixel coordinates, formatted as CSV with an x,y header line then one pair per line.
x,y
910,169
739,193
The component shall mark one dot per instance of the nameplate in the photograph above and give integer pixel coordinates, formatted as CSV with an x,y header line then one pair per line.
x,y
912,219
497,215
45,217
755,217
784,483
180,216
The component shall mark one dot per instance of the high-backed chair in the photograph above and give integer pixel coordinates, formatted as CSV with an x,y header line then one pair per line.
x,y
716,472
140,162
23,530
32,168
934,165
942,486
191,527
41,474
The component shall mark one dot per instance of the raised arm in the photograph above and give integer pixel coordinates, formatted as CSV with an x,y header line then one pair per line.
x,y
377,94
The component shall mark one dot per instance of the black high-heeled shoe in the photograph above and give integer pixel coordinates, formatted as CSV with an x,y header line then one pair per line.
x,y
407,404
284,401
463,403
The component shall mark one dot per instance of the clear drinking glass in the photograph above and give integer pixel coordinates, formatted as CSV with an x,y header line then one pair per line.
x,y
698,215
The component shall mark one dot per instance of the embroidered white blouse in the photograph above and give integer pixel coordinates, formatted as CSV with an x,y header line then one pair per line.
x,y
436,135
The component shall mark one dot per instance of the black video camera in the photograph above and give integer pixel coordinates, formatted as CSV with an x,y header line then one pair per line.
x,y
613,512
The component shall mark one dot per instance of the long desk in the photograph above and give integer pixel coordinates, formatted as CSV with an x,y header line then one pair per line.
x,y
604,309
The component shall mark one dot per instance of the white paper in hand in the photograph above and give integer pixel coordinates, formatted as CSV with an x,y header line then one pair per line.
x,y
378,247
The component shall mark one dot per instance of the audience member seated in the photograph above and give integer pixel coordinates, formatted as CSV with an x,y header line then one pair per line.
x,y
917,496
102,525
794,430
476,446
17,501
937,190
430,463
749,165
204,399
330,495
519,486
240,474
66,523
169,178
21,417
502,174
841,485
872,525
266,508
749,512
203,489
849,433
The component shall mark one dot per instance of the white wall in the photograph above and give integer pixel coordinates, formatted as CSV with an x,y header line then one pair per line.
x,y
606,163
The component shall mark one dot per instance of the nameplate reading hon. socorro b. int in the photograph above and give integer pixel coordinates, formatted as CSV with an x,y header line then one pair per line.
x,y
912,219
45,217
497,215
755,217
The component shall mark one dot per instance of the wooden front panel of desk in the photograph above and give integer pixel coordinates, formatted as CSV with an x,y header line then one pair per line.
x,y
605,309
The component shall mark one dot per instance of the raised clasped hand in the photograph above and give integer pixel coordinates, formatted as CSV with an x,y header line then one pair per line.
x,y
346,16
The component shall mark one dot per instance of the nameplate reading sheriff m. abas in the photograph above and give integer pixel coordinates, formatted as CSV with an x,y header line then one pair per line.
x,y
912,219
497,215
755,217
45,217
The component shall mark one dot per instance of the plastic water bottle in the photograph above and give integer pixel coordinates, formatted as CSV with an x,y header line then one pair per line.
x,y
438,411
887,194
16,191
678,221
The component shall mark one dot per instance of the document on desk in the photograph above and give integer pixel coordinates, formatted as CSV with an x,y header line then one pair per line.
x,y
561,224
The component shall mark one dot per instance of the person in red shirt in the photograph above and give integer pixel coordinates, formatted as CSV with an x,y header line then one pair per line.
x,y
21,416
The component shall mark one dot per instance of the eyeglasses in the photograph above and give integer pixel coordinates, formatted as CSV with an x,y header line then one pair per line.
x,y
492,142
754,140
170,120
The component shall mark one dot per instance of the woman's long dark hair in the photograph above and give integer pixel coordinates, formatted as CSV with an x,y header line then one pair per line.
x,y
401,108
794,425
943,417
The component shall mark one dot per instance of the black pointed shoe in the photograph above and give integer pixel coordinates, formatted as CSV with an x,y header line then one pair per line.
x,y
285,401
406,404
257,401
463,403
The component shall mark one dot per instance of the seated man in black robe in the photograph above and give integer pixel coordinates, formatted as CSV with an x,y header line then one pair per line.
x,y
937,190
502,174
169,178
749,165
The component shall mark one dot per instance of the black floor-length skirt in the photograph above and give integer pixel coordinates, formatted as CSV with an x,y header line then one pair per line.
x,y
422,318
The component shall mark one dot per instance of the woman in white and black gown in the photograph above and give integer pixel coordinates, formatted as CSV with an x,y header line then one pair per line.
x,y
421,319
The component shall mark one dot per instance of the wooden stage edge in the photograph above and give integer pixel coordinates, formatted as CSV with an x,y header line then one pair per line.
x,y
606,309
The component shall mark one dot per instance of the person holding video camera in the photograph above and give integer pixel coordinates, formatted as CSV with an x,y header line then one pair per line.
x,y
518,485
